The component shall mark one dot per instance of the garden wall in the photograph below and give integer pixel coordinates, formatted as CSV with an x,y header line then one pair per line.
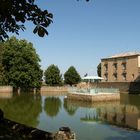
x,y
6,89
124,87
54,89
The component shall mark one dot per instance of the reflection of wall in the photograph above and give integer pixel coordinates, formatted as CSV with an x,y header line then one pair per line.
x,y
113,112
90,104
6,95
122,115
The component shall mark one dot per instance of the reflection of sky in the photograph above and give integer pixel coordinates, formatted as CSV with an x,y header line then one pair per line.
x,y
83,130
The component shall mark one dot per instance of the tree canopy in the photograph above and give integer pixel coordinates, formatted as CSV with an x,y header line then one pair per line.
x,y
72,76
21,64
2,72
53,76
14,13
99,69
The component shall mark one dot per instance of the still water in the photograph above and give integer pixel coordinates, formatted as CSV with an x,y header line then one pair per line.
x,y
98,121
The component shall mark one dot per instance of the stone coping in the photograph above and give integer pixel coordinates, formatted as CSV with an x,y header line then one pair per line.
x,y
94,98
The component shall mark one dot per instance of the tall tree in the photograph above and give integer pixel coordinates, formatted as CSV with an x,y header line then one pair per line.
x,y
99,69
53,76
72,76
21,64
2,72
14,13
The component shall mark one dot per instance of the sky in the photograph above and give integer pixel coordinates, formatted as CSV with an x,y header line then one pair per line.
x,y
84,32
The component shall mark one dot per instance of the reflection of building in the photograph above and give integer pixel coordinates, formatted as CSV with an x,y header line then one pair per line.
x,y
121,68
120,115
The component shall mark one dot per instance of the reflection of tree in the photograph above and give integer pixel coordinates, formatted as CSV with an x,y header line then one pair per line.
x,y
70,109
52,106
23,109
92,115
90,118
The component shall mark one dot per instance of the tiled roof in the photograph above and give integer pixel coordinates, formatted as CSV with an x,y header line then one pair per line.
x,y
124,54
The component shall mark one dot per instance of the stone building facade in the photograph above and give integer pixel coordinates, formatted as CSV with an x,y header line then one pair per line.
x,y
121,67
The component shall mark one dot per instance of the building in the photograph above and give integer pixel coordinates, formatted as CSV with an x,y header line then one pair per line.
x,y
123,67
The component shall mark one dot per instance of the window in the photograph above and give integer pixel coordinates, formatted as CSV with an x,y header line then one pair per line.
x,y
115,76
124,66
133,76
106,77
124,76
115,65
106,67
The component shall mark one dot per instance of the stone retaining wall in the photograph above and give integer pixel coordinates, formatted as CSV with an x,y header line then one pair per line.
x,y
53,89
4,89
94,98
124,87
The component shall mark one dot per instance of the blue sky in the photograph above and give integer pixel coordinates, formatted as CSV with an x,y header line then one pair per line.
x,y
84,32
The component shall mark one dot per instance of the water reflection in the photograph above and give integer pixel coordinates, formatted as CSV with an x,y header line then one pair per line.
x,y
52,106
87,120
6,95
124,115
69,108
24,108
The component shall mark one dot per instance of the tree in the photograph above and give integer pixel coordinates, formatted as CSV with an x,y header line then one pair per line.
x,y
99,69
53,76
21,64
72,76
2,72
14,13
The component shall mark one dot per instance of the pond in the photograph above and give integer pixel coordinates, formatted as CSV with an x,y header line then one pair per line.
x,y
97,121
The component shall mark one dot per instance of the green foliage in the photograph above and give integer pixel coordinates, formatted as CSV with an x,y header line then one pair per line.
x,y
2,72
21,64
72,76
53,76
99,69
14,13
